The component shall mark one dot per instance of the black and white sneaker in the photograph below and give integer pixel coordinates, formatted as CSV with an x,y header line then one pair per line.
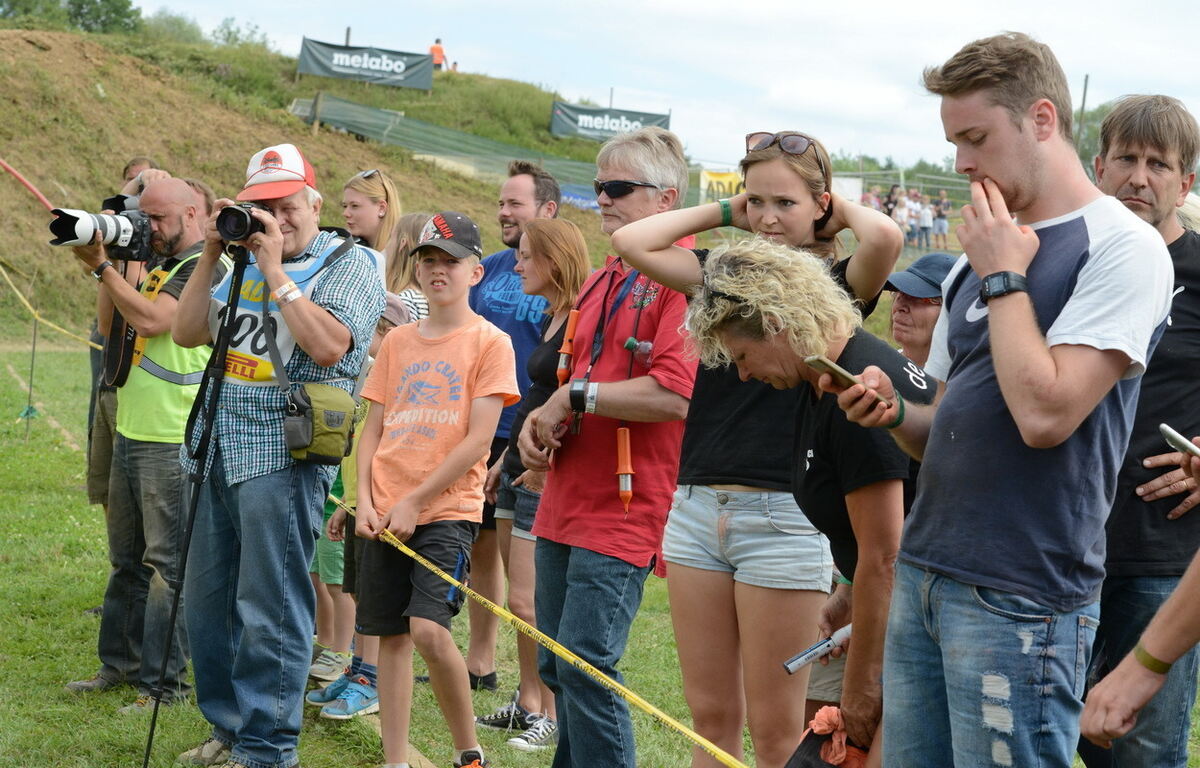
x,y
541,735
512,716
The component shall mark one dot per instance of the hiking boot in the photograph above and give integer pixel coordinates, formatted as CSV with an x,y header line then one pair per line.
x,y
322,696
541,735
359,697
143,703
209,752
94,683
482,682
329,666
509,717
471,759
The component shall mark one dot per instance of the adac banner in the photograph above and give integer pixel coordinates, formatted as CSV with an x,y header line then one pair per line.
x,y
716,185
372,65
598,123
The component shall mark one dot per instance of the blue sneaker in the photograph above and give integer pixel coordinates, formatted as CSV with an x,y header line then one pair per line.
x,y
358,698
319,697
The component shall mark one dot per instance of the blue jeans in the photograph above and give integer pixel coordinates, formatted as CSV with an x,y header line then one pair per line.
x,y
145,523
587,602
250,607
979,677
1159,739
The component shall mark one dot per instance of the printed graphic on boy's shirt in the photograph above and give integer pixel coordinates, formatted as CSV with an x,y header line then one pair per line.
x,y
424,386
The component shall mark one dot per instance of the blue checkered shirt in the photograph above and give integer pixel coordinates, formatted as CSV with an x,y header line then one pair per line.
x,y
249,421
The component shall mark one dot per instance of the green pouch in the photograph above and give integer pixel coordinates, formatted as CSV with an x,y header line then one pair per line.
x,y
319,425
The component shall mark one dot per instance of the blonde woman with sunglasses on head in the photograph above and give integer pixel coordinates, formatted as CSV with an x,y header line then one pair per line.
x,y
746,565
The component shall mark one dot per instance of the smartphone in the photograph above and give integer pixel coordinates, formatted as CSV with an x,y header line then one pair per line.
x,y
1178,441
840,375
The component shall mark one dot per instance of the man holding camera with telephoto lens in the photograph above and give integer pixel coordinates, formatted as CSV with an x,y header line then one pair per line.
x,y
249,601
146,485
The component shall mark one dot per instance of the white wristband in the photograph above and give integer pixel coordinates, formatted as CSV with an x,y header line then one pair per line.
x,y
590,402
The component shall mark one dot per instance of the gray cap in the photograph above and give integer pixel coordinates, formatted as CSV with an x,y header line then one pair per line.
x,y
923,279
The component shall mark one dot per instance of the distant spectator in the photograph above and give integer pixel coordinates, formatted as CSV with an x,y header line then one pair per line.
x,y
135,166
925,217
941,220
438,53
889,203
401,266
454,67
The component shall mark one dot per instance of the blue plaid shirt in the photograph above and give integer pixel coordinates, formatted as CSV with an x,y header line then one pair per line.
x,y
249,421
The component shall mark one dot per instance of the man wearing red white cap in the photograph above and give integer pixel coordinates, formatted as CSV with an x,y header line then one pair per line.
x,y
249,601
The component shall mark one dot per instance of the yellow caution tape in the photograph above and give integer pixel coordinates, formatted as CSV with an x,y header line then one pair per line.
x,y
562,652
37,315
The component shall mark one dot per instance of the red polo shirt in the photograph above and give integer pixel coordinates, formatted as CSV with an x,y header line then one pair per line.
x,y
580,506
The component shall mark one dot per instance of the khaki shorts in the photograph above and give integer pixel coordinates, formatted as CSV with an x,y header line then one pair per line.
x,y
100,446
825,681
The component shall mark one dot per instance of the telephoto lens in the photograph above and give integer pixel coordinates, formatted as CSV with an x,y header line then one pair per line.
x,y
235,223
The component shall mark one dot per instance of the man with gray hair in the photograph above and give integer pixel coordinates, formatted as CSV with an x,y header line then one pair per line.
x,y
1147,160
599,526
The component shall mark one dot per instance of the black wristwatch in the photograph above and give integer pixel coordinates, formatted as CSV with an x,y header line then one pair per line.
x,y
578,394
1000,283
98,272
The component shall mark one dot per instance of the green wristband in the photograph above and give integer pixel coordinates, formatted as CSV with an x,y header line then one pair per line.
x,y
900,416
726,212
1157,666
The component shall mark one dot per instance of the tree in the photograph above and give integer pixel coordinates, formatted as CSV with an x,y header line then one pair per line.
x,y
229,33
51,10
103,15
173,26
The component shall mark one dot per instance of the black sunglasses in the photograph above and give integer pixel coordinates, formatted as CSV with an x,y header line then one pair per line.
x,y
615,189
789,141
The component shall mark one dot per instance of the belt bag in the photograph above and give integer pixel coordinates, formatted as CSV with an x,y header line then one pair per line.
x,y
319,424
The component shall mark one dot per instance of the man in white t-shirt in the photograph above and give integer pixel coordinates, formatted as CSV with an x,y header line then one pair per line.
x,y
1045,329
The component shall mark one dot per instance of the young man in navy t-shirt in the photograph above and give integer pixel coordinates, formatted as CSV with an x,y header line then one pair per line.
x,y
1044,333
528,193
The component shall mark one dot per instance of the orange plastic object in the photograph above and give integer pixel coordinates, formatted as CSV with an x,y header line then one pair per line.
x,y
567,349
624,468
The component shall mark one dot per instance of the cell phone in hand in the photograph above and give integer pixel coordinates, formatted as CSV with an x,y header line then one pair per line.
x,y
840,375
1178,441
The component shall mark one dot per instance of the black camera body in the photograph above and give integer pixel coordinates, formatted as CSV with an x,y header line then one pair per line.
x,y
235,222
126,233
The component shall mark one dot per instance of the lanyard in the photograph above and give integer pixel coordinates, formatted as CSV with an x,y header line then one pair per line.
x,y
602,322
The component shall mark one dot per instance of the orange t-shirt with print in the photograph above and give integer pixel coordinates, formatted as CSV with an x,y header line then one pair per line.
x,y
438,53
426,387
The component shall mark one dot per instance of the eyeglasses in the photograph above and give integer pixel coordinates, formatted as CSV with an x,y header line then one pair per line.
x,y
789,141
933,301
620,188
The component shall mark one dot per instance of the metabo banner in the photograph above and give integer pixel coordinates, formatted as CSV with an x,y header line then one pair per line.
x,y
597,123
372,65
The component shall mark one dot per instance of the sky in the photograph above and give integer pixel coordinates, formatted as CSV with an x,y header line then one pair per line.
x,y
845,72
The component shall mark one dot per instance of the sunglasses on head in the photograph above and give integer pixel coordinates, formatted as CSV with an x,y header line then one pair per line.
x,y
789,141
369,174
615,189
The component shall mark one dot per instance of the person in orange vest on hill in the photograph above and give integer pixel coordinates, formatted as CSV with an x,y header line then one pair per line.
x,y
438,53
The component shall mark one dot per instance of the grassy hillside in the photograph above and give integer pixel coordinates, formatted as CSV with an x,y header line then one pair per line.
x,y
76,108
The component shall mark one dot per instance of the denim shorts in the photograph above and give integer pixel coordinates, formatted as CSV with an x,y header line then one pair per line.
x,y
517,504
761,537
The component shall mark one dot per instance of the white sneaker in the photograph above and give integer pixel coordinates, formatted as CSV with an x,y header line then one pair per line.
x,y
541,735
329,666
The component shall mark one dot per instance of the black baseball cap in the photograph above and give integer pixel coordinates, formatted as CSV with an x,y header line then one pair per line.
x,y
923,279
453,233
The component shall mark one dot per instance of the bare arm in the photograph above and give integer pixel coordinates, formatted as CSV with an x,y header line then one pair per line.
x,y
638,399
648,246
863,409
879,244
877,516
1113,704
366,519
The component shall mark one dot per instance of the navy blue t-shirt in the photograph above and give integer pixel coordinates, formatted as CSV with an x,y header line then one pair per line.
x,y
500,300
990,510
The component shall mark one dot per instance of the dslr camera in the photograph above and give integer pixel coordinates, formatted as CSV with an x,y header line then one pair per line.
x,y
126,233
235,222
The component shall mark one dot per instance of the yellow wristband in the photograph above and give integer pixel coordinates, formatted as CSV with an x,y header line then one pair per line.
x,y
1157,666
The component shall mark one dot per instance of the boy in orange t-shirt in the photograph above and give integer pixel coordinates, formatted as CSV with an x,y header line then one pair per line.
x,y
440,385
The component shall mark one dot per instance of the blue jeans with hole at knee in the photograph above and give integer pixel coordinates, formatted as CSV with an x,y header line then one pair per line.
x,y
250,607
1159,739
980,677
587,601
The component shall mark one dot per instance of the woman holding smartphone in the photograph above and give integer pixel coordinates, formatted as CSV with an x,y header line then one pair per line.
x,y
552,260
741,552
765,310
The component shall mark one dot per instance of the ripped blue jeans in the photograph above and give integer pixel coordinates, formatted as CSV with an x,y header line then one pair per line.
x,y
981,677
